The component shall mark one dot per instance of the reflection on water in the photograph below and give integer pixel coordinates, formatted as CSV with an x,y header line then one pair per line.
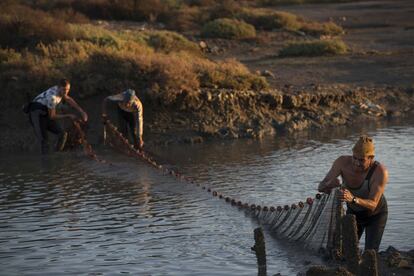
x,y
68,215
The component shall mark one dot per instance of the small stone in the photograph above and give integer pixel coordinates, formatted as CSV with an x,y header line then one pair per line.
x,y
267,73
215,50
203,45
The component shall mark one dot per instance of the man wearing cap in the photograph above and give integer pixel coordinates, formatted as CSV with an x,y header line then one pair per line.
x,y
130,114
363,184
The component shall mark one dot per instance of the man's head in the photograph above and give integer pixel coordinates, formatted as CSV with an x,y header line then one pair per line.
x,y
129,95
363,153
64,86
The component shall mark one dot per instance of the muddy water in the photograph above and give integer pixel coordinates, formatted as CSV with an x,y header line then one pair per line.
x,y
66,215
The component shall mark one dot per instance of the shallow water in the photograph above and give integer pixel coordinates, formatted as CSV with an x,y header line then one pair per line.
x,y
67,215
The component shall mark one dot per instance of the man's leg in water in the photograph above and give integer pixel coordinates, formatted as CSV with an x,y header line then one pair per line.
x,y
55,128
122,124
39,123
374,231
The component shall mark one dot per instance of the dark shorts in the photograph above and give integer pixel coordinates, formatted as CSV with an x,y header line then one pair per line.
x,y
373,225
127,120
39,119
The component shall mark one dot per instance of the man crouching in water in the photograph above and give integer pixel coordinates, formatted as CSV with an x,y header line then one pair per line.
x,y
130,114
364,181
43,116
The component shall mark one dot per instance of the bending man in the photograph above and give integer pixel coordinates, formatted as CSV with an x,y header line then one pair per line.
x,y
130,114
364,181
43,116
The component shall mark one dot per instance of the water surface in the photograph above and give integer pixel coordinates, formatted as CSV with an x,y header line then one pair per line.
x,y
67,215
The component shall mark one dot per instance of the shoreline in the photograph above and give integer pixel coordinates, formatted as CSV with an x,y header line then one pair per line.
x,y
195,116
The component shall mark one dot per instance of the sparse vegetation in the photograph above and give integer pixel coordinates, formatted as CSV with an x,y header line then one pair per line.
x,y
228,28
270,20
314,48
21,26
98,60
316,29
171,42
42,41
263,19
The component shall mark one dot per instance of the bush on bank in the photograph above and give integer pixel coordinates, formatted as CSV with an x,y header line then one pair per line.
x,y
270,20
229,29
171,42
314,48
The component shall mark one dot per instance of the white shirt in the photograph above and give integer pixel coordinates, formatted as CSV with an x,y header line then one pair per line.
x,y
49,98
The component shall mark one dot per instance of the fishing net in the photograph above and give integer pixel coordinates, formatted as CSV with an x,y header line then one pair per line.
x,y
314,223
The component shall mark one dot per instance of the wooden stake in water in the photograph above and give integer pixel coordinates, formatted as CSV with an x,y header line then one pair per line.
x,y
260,249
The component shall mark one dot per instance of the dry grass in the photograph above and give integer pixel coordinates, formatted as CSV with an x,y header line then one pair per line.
x,y
21,26
171,42
317,29
228,28
314,48
270,20
102,61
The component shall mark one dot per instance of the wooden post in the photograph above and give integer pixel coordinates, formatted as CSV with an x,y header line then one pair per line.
x,y
350,243
337,250
260,249
369,264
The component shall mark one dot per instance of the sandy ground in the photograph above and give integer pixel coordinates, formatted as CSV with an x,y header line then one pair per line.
x,y
379,33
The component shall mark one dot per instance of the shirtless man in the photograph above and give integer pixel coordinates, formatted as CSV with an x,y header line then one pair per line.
x,y
363,184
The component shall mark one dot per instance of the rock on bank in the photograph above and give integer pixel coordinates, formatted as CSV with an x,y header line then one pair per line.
x,y
193,116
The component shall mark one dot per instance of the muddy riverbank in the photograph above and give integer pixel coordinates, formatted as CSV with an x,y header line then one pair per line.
x,y
194,116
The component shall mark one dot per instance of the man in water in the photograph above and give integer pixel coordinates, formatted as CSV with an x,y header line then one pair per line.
x,y
130,114
43,116
363,184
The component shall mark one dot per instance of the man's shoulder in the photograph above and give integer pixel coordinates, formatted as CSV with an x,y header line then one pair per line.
x,y
381,169
137,102
344,159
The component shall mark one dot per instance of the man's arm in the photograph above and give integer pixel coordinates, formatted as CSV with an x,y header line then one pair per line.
x,y
331,179
113,98
377,186
54,116
140,123
75,105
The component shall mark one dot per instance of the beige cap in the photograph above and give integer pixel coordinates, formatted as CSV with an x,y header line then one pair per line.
x,y
364,147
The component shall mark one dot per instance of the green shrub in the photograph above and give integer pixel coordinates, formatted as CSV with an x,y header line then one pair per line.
x,y
228,28
316,29
228,74
269,20
314,48
171,42
263,19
